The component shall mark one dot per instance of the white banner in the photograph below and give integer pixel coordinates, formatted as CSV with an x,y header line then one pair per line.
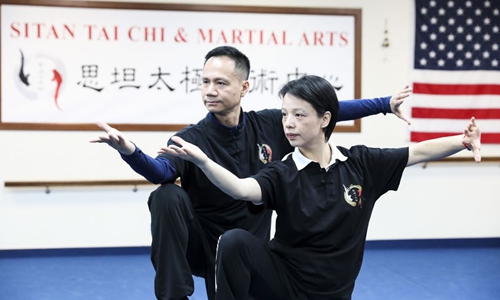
x,y
77,65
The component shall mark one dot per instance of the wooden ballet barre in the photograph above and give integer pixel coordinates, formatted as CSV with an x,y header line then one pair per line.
x,y
487,159
77,183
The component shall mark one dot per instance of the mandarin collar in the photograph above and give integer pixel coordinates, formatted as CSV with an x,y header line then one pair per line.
x,y
235,128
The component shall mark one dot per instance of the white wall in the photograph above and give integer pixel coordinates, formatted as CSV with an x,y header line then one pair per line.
x,y
452,200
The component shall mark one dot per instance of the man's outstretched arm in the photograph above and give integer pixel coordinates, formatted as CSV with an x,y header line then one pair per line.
x,y
360,108
156,170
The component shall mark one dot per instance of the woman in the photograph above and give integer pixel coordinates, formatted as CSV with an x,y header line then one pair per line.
x,y
323,196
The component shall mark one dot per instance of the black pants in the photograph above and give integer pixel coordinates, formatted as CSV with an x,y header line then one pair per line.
x,y
246,267
179,246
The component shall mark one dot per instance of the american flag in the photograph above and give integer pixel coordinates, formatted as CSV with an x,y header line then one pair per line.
x,y
456,72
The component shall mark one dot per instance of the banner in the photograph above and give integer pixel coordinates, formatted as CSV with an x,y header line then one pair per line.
x,y
139,66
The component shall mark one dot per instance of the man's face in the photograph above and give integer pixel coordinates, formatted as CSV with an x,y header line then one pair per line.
x,y
222,88
302,126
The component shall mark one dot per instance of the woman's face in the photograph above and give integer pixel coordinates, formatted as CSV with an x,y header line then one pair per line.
x,y
301,123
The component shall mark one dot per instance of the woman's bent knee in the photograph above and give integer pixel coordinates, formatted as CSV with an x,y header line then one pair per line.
x,y
234,239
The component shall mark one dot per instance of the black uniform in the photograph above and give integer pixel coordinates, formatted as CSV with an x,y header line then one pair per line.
x,y
323,217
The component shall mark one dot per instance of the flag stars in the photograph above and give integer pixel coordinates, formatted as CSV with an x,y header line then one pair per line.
x,y
462,35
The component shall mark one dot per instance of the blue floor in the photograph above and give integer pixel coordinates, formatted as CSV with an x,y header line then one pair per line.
x,y
430,274
405,273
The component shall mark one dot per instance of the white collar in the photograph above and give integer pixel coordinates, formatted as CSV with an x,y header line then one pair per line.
x,y
301,161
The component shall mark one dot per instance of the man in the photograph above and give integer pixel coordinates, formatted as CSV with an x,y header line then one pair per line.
x,y
187,222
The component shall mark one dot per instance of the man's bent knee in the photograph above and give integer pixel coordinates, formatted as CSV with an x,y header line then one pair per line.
x,y
167,196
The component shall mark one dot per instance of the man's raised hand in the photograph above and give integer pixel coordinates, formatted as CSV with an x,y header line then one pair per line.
x,y
114,139
397,100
